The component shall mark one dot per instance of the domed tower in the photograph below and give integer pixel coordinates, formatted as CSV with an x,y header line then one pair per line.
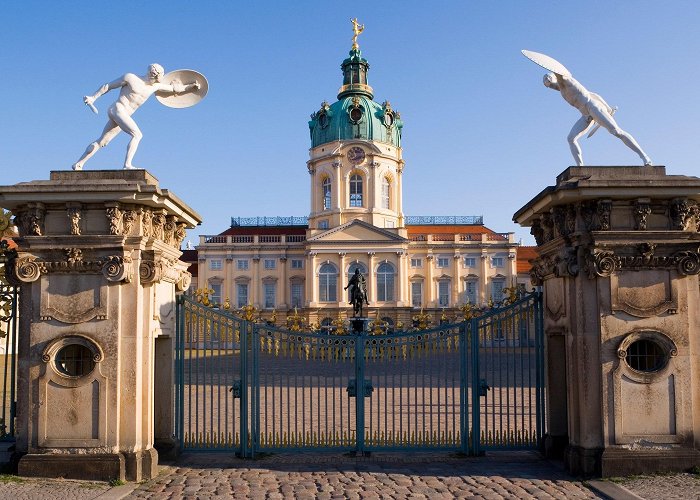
x,y
355,160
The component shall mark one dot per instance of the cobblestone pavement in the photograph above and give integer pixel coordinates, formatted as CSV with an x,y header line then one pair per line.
x,y
330,476
515,475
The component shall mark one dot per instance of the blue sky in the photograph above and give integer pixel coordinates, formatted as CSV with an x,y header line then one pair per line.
x,y
481,135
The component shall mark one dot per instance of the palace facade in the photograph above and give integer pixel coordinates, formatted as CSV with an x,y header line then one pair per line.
x,y
282,265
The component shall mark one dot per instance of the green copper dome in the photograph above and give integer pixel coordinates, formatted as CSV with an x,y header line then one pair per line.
x,y
355,115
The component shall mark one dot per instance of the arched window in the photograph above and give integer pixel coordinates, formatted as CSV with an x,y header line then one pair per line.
x,y
326,190
385,192
355,191
385,282
327,283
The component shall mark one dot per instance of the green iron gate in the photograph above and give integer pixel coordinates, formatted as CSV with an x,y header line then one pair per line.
x,y
247,388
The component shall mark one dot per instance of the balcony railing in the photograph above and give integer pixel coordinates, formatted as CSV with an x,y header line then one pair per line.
x,y
435,220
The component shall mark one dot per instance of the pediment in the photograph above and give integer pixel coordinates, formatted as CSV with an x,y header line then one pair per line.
x,y
356,231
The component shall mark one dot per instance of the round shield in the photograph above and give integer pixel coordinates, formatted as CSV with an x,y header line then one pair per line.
x,y
183,99
547,62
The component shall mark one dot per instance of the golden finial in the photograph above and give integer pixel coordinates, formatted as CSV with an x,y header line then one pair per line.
x,y
357,28
227,304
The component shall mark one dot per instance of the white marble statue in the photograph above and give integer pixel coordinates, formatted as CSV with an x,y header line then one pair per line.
x,y
135,90
594,110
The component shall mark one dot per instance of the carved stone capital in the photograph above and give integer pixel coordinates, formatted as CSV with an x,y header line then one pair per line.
x,y
27,269
129,218
114,217
30,220
603,210
682,212
537,231
74,213
169,229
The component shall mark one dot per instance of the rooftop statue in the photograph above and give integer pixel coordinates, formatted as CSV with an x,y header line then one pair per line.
x,y
135,90
596,112
357,28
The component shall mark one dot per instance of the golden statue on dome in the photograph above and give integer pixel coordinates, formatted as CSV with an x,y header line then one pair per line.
x,y
357,28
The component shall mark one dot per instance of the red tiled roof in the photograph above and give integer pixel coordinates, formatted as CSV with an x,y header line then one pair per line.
x,y
525,254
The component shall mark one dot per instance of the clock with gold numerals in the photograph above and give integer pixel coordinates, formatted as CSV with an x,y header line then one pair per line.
x,y
356,155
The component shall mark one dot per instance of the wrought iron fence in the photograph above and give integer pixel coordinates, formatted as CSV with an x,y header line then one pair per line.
x,y
250,387
8,344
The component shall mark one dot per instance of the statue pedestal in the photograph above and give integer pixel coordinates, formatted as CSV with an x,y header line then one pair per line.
x,y
98,265
619,256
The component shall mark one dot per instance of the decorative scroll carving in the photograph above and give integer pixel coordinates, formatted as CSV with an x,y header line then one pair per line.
x,y
149,271
564,263
128,219
641,211
114,216
74,214
184,282
117,268
606,262
28,269
682,212
603,211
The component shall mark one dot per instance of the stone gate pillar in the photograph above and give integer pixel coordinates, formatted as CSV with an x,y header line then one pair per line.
x,y
619,256
98,263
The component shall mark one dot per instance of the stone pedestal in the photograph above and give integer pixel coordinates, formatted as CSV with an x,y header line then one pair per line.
x,y
98,264
619,256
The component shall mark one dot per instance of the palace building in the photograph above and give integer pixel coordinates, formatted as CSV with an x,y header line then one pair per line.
x,y
286,265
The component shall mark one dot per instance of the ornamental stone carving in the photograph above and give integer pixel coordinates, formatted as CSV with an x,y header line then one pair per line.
x,y
147,223
588,211
682,212
27,269
114,216
606,262
641,211
180,234
158,224
547,227
603,210
73,255
184,282
117,268
559,219
74,214
129,218
30,221
537,231
169,229
149,271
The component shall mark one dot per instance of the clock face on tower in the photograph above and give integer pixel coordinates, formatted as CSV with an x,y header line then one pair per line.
x,y
356,155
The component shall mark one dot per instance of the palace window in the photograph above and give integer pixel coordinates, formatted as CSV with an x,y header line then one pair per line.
x,y
323,224
270,263
242,294
497,261
328,283
470,289
416,293
242,264
470,262
385,192
443,262
355,191
497,286
215,265
297,264
297,294
443,293
416,262
326,190
216,296
269,289
385,282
